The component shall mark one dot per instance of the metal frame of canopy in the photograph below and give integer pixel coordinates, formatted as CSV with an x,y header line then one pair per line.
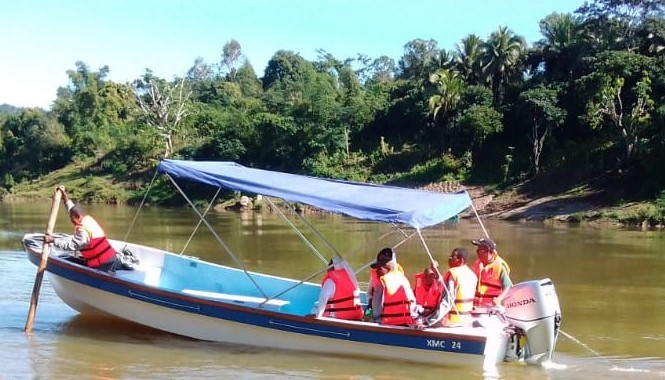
x,y
286,186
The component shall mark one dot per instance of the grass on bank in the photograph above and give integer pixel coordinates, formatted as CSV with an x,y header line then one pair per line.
x,y
82,182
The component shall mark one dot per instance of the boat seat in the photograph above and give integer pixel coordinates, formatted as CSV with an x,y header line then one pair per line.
x,y
273,304
146,275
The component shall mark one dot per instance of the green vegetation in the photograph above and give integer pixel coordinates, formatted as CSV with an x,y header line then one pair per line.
x,y
587,100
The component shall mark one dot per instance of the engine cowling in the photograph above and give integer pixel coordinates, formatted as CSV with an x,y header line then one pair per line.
x,y
533,308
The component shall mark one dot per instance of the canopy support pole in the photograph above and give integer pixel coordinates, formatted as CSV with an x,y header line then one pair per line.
x,y
479,220
298,284
217,237
436,268
34,299
316,232
290,223
212,201
145,196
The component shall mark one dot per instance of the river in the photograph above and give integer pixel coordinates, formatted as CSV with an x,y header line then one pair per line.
x,y
611,286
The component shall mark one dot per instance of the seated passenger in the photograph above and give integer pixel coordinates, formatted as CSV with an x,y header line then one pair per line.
x,y
393,302
340,295
460,287
493,274
386,254
428,289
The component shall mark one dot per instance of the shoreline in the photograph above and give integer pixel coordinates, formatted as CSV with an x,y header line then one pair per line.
x,y
580,206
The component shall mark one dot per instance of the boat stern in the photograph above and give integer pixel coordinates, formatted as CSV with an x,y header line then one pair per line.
x,y
532,308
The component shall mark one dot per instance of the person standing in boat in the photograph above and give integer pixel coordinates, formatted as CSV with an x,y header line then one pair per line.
x,y
393,302
340,294
493,274
428,289
460,288
89,238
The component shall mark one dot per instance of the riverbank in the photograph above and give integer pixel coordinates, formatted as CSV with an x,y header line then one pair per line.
x,y
605,201
597,202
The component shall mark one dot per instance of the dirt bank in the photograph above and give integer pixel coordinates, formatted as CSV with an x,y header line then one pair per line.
x,y
522,203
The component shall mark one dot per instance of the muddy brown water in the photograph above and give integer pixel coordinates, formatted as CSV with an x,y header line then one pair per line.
x,y
611,286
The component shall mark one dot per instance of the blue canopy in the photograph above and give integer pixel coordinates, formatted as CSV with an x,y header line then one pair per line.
x,y
416,208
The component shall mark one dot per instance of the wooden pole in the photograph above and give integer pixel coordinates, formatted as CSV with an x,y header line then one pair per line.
x,y
42,264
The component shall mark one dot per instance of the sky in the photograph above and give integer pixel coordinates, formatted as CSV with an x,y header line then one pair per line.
x,y
42,39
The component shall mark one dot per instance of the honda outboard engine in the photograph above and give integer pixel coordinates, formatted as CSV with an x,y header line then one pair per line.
x,y
532,307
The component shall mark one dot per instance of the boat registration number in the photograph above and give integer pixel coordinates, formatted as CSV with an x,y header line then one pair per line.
x,y
442,344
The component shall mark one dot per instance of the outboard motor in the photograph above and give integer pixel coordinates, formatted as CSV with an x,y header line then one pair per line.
x,y
532,307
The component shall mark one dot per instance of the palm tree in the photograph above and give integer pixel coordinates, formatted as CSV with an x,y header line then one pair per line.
x,y
560,48
449,88
468,58
502,61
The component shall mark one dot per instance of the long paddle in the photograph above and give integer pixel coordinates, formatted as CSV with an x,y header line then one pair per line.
x,y
42,264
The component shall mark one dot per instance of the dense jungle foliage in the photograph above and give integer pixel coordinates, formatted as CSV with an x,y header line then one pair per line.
x,y
586,100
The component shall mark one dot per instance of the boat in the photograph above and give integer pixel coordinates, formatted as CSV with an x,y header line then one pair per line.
x,y
187,296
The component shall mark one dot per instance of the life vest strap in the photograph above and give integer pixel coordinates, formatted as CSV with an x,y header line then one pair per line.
x,y
343,299
342,309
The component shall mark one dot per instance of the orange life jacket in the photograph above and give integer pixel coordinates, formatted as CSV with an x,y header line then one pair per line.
x,y
489,280
396,306
465,287
428,298
99,250
345,303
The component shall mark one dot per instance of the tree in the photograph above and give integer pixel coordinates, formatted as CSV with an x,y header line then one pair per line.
x,y
560,48
419,60
33,143
504,51
163,105
619,100
627,111
652,33
200,71
474,121
449,85
468,59
478,121
540,105
91,108
614,24
381,69
232,58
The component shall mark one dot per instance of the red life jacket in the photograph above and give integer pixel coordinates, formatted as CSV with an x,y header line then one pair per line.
x,y
465,287
99,250
345,303
489,280
396,306
430,298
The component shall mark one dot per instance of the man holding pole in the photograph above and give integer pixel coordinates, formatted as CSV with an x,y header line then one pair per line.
x,y
89,238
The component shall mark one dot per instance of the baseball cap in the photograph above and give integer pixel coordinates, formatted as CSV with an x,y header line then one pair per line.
x,y
485,242
383,257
